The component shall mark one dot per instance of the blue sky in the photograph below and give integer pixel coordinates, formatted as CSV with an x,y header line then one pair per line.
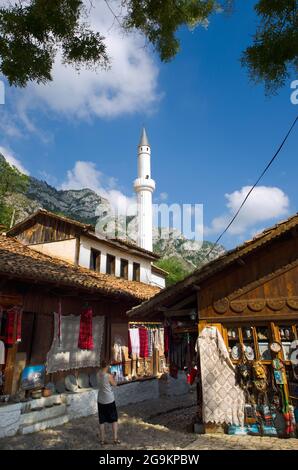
x,y
210,129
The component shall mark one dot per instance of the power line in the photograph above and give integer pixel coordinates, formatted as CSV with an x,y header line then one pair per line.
x,y
252,188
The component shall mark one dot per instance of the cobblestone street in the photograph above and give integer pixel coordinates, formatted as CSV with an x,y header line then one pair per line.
x,y
160,424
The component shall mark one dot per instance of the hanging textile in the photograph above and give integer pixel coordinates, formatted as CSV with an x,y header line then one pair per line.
x,y
19,325
85,335
2,353
161,342
223,401
134,341
10,326
166,340
129,343
143,334
150,342
68,355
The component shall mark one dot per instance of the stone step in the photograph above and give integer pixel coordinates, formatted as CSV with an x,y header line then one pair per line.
x,y
46,413
41,426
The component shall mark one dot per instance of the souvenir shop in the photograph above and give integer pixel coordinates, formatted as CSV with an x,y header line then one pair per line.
x,y
259,362
247,344
55,329
143,353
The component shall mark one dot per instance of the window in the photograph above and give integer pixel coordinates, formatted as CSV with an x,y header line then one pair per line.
x,y
95,260
136,272
124,268
110,265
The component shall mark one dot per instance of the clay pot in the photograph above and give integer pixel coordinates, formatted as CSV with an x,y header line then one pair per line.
x,y
36,394
46,392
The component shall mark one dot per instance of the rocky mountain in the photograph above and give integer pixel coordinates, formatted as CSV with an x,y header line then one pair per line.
x,y
89,207
190,253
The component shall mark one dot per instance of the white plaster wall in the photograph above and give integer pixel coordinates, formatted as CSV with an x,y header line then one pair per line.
x,y
86,244
84,403
10,416
64,249
170,387
158,280
136,392
81,404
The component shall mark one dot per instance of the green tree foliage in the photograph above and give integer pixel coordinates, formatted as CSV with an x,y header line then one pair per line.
x,y
159,20
33,31
11,180
175,268
275,48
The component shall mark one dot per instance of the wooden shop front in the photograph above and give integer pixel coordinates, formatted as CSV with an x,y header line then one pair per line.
x,y
250,295
37,286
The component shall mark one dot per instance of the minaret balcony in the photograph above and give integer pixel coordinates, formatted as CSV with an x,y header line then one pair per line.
x,y
146,184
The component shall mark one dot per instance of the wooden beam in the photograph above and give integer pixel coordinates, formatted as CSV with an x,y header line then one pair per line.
x,y
183,302
177,313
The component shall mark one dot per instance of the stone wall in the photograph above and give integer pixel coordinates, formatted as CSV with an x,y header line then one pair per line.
x,y
84,402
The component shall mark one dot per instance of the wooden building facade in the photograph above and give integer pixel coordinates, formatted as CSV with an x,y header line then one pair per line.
x,y
250,295
37,284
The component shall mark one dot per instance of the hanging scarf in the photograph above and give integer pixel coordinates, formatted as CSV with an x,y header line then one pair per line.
x,y
143,334
129,343
166,340
10,324
134,341
150,342
85,335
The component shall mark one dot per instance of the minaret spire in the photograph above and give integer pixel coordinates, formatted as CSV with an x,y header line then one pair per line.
x,y
144,187
144,139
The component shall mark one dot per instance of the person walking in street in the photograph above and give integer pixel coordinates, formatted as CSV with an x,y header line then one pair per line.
x,y
107,411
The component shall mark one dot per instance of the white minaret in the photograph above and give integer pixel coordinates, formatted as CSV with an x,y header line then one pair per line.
x,y
144,187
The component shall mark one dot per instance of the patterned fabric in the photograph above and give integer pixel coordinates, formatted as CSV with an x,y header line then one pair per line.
x,y
10,324
85,335
135,341
150,342
67,355
161,341
143,342
223,401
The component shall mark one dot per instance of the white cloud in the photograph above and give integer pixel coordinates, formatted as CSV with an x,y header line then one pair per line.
x,y
163,196
86,175
264,204
12,160
128,86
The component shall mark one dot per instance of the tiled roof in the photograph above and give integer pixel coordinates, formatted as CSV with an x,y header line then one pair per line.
x,y
218,264
21,262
